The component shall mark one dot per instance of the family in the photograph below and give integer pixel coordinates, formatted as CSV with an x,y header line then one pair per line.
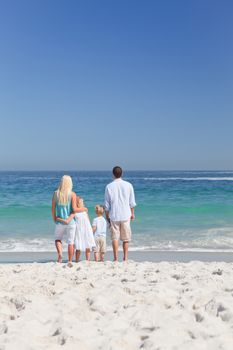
x,y
72,220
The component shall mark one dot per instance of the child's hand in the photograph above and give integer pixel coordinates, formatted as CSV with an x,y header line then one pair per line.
x,y
63,221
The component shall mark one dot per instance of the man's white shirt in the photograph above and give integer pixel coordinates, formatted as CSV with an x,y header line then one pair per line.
x,y
119,199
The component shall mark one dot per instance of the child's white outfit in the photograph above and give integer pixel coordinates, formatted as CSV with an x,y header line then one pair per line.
x,y
100,234
84,238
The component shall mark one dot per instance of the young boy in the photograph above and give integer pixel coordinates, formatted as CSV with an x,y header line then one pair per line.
x,y
99,227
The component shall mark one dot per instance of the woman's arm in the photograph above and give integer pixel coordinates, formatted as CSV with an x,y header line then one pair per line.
x,y
54,208
67,221
63,221
70,218
74,205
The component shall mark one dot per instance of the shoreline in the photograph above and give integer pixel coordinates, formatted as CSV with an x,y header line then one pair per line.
x,y
138,256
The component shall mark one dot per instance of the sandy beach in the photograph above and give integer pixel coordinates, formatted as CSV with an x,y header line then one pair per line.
x,y
133,305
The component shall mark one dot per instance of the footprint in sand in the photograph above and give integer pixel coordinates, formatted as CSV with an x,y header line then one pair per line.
x,y
144,337
192,336
199,317
90,301
62,341
147,343
217,272
57,332
19,304
218,310
3,328
150,329
177,277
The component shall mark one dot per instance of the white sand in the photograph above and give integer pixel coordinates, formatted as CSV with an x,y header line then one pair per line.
x,y
116,306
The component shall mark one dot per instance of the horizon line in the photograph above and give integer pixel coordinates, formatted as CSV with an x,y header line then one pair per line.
x,y
110,170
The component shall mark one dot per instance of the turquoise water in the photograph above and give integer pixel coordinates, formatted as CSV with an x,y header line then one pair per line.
x,y
175,210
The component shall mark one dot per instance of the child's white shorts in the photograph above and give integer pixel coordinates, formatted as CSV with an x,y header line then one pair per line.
x,y
68,230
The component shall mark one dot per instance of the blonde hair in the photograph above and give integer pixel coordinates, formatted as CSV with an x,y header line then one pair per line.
x,y
63,193
99,209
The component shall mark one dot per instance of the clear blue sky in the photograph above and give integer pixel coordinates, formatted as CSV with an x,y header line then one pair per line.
x,y
90,84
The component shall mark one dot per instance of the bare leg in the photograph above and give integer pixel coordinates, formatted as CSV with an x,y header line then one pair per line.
x,y
102,256
58,245
78,253
88,254
125,250
96,256
115,249
70,252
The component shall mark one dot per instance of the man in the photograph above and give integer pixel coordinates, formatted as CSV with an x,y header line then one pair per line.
x,y
119,207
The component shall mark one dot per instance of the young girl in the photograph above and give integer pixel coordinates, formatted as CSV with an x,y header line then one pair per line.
x,y
84,239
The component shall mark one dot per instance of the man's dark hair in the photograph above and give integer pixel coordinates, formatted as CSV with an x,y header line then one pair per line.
x,y
117,172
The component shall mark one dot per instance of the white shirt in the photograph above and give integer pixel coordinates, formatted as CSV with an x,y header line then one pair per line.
x,y
101,226
119,199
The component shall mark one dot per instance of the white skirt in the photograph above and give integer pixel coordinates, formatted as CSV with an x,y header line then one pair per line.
x,y
84,238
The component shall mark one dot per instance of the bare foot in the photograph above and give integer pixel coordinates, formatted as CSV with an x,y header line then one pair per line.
x,y
70,264
59,259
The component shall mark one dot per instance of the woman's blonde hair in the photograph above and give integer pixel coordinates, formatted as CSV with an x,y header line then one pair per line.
x,y
64,190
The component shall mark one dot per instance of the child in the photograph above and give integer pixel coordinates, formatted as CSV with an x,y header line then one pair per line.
x,y
84,240
99,226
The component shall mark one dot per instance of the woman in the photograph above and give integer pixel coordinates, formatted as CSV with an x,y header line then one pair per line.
x,y
64,204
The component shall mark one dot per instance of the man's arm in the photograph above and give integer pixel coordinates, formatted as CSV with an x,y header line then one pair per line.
x,y
107,216
107,204
132,214
132,202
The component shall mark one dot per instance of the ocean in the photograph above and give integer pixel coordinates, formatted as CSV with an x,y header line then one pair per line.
x,y
176,210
